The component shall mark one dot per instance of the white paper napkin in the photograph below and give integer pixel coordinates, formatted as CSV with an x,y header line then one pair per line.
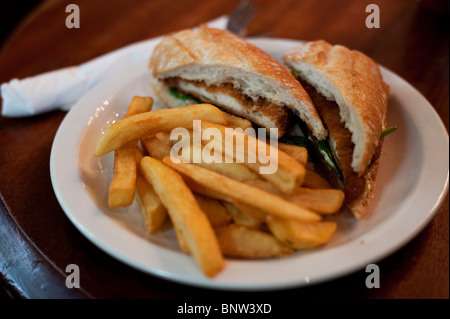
x,y
60,89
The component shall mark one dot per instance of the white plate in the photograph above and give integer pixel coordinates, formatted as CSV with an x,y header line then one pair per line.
x,y
412,182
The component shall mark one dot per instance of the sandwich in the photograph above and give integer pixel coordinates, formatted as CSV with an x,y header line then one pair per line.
x,y
218,67
349,94
337,96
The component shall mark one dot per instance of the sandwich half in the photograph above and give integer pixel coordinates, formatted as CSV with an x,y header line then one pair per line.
x,y
351,98
215,66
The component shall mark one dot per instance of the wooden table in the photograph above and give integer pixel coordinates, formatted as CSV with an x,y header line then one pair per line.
x,y
37,241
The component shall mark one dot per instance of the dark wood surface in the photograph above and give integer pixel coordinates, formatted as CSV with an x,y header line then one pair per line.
x,y
37,241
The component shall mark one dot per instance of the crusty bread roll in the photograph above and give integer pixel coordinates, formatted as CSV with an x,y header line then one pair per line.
x,y
354,82
349,94
221,68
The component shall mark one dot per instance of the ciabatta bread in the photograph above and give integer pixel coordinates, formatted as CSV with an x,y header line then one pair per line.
x,y
350,96
221,68
354,82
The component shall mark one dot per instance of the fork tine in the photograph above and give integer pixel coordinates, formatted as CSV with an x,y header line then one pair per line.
x,y
235,15
243,21
244,13
241,16
240,7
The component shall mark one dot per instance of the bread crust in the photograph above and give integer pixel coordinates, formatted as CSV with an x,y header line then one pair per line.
x,y
217,57
359,206
354,81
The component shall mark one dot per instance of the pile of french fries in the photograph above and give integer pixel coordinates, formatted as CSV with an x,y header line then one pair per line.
x,y
217,209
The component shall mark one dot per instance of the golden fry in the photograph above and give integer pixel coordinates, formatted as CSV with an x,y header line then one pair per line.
x,y
165,137
300,235
122,186
181,241
234,190
216,212
150,205
140,125
139,104
243,242
253,212
236,171
323,201
155,148
241,218
264,185
202,190
314,180
297,152
289,174
187,217
236,121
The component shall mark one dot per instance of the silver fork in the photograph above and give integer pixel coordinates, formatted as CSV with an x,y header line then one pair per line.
x,y
241,17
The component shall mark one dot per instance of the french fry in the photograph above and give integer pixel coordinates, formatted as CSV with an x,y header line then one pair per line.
x,y
243,242
300,235
236,171
122,186
264,185
230,189
139,156
216,212
155,148
255,213
165,137
314,180
289,174
297,152
140,125
232,121
202,190
236,121
139,104
151,207
166,226
186,215
181,241
241,218
323,201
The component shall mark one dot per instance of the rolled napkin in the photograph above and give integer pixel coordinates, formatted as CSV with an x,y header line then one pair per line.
x,y
61,89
